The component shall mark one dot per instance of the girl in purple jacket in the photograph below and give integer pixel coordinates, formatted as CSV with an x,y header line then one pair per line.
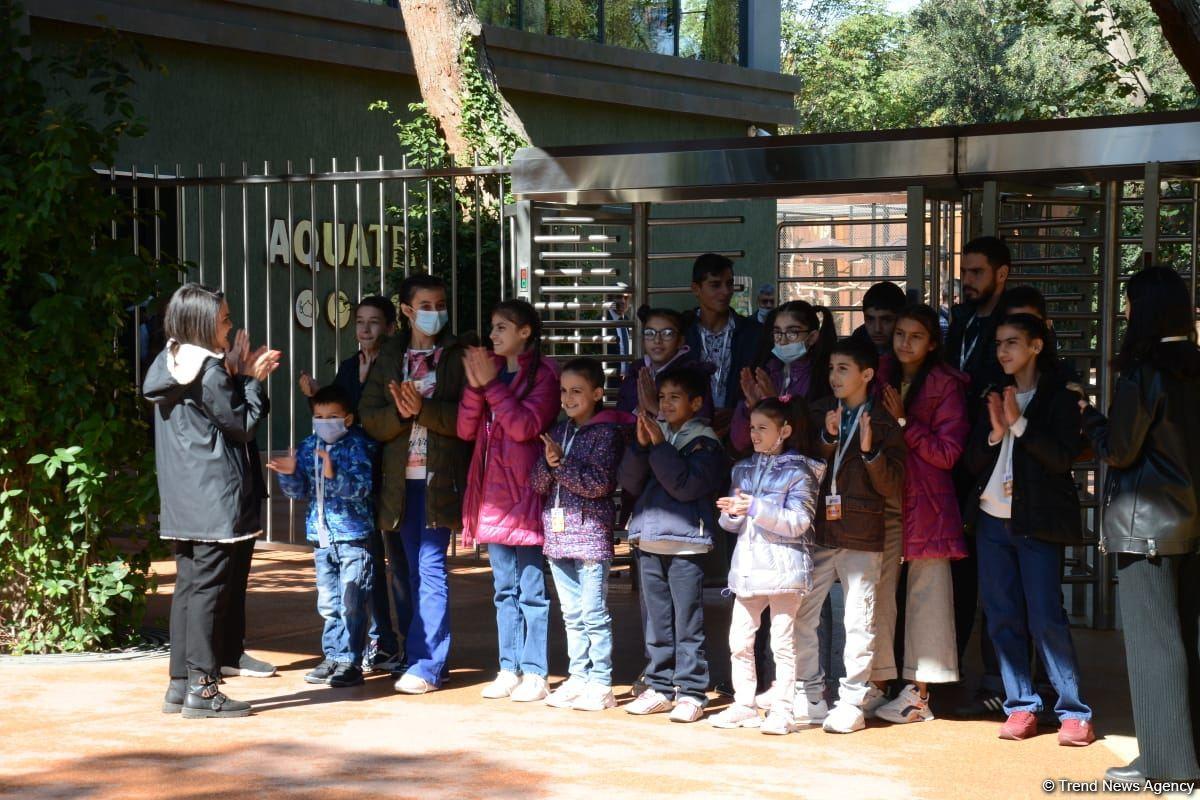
x,y
928,399
578,475
511,399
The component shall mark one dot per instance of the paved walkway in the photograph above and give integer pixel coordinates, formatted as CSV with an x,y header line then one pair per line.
x,y
95,730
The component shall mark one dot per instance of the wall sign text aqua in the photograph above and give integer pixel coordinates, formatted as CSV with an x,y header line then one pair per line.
x,y
355,246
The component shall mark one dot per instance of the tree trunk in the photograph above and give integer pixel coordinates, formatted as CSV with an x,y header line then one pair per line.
x,y
1120,52
1181,28
438,31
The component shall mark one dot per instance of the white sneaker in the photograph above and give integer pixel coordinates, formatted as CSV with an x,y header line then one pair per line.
x,y
736,716
503,685
778,723
907,707
567,693
875,698
687,709
595,697
844,718
806,711
531,689
650,701
411,683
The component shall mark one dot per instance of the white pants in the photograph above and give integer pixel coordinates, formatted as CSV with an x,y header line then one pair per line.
x,y
883,666
747,616
930,644
859,573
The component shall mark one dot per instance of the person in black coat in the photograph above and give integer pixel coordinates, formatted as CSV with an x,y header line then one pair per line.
x,y
1024,507
208,400
1151,444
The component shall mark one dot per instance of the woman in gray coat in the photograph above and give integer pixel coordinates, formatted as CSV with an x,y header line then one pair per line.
x,y
208,399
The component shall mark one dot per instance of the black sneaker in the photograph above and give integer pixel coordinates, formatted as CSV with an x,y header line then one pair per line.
x,y
984,704
346,675
320,673
249,667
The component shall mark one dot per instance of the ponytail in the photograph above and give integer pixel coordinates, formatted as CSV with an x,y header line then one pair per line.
x,y
522,314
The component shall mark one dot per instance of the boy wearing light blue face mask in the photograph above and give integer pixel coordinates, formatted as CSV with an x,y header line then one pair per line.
x,y
332,470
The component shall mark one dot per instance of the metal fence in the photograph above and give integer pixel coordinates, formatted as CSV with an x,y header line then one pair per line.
x,y
295,249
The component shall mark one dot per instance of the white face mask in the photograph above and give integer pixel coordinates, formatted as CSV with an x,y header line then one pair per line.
x,y
431,322
787,353
329,430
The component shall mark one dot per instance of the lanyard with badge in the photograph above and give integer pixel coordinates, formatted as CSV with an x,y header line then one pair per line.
x,y
968,351
558,515
833,501
322,528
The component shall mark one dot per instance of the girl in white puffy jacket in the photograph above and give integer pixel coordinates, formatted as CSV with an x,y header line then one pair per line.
x,y
772,511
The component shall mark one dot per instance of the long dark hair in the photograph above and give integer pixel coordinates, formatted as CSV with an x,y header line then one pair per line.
x,y
1034,328
191,316
1160,305
817,318
792,411
928,318
521,313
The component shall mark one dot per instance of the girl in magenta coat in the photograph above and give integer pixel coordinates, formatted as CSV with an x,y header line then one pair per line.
x,y
928,399
511,399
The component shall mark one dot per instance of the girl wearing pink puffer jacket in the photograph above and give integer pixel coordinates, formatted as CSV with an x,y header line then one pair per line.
x,y
511,399
928,399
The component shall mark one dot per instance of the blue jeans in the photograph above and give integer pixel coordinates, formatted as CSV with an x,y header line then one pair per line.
x,y
522,607
344,579
427,641
582,592
381,604
397,583
1020,585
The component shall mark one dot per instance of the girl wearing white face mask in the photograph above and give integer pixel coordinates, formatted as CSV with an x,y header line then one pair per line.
x,y
793,360
410,405
771,512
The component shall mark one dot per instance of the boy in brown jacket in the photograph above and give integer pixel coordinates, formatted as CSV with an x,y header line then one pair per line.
x,y
865,450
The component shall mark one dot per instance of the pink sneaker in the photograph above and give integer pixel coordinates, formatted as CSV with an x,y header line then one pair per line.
x,y
1076,733
1020,725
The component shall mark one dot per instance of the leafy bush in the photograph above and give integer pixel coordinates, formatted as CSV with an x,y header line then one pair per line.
x,y
76,473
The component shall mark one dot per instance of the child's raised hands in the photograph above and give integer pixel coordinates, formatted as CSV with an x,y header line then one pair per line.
x,y
766,386
554,453
995,407
481,367
308,386
654,431
833,423
284,465
865,439
892,402
736,506
647,391
749,388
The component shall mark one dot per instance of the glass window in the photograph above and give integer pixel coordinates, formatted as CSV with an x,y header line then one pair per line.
x,y
708,30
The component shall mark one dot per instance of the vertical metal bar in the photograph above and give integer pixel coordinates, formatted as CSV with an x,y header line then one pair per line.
x,y
382,239
314,266
267,314
221,226
1104,601
404,210
947,277
112,192
478,207
137,306
989,214
1150,190
1195,234
337,270
428,225
914,257
200,221
291,329
935,246
246,254
639,267
500,219
180,223
359,243
157,219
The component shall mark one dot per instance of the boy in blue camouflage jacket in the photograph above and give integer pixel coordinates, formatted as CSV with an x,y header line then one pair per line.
x,y
332,471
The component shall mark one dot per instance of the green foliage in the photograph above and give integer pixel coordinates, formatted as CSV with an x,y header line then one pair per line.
x,y
968,61
75,467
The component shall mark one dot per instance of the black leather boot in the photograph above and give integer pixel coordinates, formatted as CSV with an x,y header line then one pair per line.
x,y
173,701
1131,774
205,699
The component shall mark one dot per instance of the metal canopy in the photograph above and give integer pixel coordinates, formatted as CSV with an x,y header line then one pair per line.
x,y
1084,150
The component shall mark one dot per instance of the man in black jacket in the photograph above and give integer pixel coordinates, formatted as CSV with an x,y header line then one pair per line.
x,y
971,347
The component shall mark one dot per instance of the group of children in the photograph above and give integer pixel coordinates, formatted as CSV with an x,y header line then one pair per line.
x,y
859,461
